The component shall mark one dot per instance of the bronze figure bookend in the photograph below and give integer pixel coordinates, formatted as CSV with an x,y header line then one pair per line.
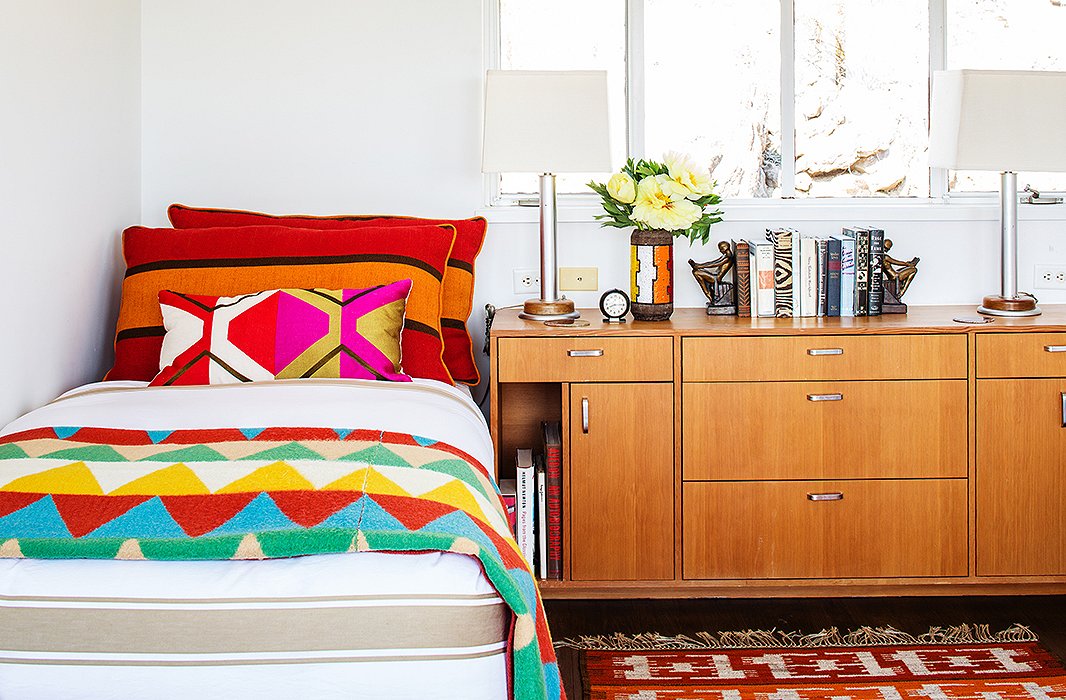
x,y
711,276
898,277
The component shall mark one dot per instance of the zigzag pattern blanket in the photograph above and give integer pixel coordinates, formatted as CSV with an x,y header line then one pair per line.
x,y
103,493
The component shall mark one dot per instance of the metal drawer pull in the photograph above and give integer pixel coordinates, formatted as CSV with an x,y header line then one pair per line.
x,y
835,496
1064,409
585,353
825,397
815,352
584,415
1055,348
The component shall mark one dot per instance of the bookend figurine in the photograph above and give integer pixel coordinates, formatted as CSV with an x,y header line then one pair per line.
x,y
711,275
898,277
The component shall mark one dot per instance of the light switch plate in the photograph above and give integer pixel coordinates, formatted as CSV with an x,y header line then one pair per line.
x,y
579,279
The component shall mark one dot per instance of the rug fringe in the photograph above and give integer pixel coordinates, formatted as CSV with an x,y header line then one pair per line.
x,y
832,637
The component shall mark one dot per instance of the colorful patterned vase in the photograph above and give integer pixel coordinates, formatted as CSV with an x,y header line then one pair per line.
x,y
652,275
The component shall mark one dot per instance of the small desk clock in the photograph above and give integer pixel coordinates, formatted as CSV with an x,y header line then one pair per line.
x,y
614,304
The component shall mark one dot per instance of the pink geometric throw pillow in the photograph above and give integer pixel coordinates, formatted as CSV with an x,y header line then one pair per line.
x,y
283,334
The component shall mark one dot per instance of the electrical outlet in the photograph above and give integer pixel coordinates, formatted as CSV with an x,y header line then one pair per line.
x,y
1050,277
526,281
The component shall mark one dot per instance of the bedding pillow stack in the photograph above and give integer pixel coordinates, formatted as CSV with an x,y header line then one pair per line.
x,y
283,334
235,261
458,282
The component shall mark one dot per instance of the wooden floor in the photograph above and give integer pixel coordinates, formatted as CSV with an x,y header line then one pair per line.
x,y
1045,615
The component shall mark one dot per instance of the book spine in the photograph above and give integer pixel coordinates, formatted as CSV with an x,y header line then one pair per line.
x,y
862,272
743,277
782,273
808,277
542,524
877,279
764,265
823,279
832,277
753,274
847,277
553,467
524,497
797,273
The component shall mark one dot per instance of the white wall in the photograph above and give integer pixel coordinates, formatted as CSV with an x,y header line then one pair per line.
x,y
312,106
69,183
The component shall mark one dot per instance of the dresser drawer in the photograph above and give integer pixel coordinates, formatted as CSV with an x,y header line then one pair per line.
x,y
1021,355
824,430
576,359
791,358
877,529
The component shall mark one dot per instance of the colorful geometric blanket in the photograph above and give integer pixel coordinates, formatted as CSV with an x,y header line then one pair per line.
x,y
103,493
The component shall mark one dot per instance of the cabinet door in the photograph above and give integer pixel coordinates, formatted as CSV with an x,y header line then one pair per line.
x,y
1021,477
621,482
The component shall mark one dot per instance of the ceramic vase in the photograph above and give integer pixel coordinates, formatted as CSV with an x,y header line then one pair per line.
x,y
652,274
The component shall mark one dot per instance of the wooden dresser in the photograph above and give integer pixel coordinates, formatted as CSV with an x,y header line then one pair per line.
x,y
709,456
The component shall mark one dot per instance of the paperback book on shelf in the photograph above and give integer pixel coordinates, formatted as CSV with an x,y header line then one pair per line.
x,y
541,526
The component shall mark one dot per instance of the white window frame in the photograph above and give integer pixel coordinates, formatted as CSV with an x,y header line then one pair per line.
x,y
940,205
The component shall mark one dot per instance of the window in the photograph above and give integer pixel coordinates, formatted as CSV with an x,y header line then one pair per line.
x,y
784,98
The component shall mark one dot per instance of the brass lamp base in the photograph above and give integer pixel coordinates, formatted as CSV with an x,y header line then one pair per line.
x,y
996,305
541,310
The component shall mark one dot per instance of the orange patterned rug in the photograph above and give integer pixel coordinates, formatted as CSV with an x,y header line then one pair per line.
x,y
961,663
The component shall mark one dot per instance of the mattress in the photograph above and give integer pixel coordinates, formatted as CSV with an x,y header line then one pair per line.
x,y
362,624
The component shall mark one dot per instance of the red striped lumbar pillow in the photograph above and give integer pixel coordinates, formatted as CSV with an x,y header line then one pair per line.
x,y
245,260
458,298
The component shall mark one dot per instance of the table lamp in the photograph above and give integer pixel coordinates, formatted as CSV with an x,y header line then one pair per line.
x,y
1003,121
546,122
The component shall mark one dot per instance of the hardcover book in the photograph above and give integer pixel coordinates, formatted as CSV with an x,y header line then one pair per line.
x,y
847,276
862,269
782,240
823,281
553,467
833,286
797,272
763,278
807,277
877,278
743,278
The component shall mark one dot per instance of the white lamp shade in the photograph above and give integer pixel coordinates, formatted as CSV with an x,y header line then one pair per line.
x,y
998,120
546,122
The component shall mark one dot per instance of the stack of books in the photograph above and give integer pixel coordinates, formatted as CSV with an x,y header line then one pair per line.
x,y
793,274
534,501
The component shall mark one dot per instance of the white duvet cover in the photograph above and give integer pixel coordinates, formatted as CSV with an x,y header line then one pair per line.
x,y
306,591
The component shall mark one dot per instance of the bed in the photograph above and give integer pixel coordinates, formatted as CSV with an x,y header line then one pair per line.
x,y
366,624
311,537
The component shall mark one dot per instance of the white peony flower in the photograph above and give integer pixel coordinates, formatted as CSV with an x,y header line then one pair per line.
x,y
622,188
660,205
695,180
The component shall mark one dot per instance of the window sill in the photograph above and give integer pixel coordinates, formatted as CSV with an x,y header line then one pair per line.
x,y
787,212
